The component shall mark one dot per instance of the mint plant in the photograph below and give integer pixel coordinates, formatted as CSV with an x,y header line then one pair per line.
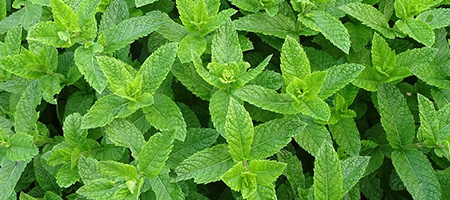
x,y
239,99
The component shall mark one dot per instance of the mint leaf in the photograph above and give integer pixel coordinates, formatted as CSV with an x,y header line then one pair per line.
x,y
329,26
418,30
328,182
123,133
396,118
266,99
154,154
25,115
238,131
278,25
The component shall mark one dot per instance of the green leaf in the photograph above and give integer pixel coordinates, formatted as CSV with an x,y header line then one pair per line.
x,y
10,173
238,179
429,122
140,3
238,131
267,99
21,147
293,171
432,75
315,108
165,116
117,74
353,170
47,33
338,77
312,136
418,30
73,134
89,170
26,65
191,46
415,57
103,111
154,154
416,173
131,29
359,35
294,62
50,86
328,182
89,67
116,12
271,136
436,18
100,189
13,42
396,117
164,188
218,107
66,176
263,192
25,116
197,139
247,5
206,166
65,18
346,135
189,77
369,16
116,169
267,171
279,25
329,26
382,55
225,47
409,8
123,133
86,20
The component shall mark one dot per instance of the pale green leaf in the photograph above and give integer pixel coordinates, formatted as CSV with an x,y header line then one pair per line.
x,y
10,173
294,62
88,66
165,189
238,131
65,18
103,111
267,171
436,18
99,189
315,108
21,147
140,3
66,176
117,74
117,169
431,74
116,12
218,107
191,46
312,136
418,30
225,47
429,122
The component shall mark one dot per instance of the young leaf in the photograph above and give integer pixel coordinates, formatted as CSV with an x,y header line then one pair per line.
x,y
154,154
338,77
436,18
294,62
117,74
315,108
116,169
206,166
238,131
100,189
89,67
329,26
266,171
225,45
192,46
328,182
416,173
238,178
396,117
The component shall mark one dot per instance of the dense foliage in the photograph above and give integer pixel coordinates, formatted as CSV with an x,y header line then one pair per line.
x,y
216,99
